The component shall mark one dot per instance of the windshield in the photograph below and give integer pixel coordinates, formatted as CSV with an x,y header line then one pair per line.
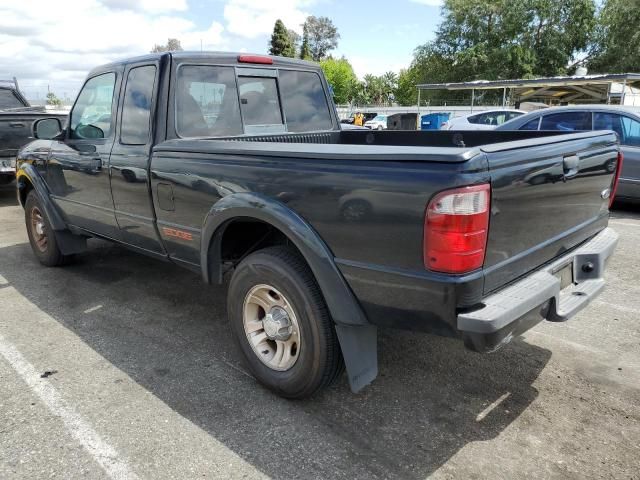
x,y
380,118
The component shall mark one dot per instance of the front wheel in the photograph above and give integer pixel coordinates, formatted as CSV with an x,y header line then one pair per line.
x,y
41,235
282,324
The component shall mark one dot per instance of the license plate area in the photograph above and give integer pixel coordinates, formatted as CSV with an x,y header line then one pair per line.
x,y
565,274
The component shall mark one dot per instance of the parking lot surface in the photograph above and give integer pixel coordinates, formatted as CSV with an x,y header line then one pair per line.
x,y
119,366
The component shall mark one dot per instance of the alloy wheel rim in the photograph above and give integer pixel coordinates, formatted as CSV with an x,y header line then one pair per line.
x,y
271,327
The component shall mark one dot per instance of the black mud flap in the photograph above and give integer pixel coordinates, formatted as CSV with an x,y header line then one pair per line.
x,y
359,346
69,243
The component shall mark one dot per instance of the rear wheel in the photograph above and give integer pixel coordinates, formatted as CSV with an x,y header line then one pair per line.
x,y
41,236
282,324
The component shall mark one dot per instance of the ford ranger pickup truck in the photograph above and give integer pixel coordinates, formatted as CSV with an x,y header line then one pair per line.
x,y
16,120
235,166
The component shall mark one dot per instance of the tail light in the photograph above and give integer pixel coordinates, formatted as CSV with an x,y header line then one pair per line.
x,y
616,178
455,229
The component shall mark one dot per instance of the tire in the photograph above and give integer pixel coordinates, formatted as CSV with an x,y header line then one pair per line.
x,y
311,357
380,127
41,237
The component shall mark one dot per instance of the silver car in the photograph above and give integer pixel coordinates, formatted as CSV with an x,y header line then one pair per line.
x,y
625,121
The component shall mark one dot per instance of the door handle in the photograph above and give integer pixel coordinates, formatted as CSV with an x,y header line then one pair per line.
x,y
16,124
570,166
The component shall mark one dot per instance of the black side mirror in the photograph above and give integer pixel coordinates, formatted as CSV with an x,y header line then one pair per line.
x,y
46,128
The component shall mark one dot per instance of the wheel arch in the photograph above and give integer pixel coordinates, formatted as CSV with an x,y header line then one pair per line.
x,y
358,338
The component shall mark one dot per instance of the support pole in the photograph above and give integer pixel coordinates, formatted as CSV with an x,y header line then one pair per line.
x,y
504,97
624,90
473,95
418,102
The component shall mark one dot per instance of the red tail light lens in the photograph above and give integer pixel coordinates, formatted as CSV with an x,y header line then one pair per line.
x,y
455,229
616,178
255,59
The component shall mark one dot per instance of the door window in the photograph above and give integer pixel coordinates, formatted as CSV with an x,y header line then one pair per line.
x,y
531,124
304,102
608,121
568,121
631,129
259,101
136,108
207,102
91,115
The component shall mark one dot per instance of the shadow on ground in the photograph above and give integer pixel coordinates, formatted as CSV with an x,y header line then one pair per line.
x,y
625,210
166,330
8,195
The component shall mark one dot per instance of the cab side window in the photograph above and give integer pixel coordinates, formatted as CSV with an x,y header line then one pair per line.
x,y
136,108
91,115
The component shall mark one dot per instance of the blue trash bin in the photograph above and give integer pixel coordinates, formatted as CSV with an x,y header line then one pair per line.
x,y
433,121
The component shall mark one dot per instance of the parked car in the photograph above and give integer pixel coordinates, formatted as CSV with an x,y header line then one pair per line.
x,y
16,120
447,236
379,122
624,121
485,120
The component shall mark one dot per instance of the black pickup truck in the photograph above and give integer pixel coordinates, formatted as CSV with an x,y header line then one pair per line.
x,y
234,166
16,120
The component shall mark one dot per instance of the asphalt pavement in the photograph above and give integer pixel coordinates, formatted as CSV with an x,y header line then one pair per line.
x,y
119,366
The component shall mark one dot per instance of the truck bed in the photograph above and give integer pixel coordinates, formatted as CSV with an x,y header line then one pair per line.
x,y
537,214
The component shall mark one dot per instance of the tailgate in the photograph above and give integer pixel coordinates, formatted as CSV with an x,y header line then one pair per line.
x,y
548,196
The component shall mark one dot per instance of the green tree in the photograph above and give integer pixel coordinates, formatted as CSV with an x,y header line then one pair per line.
x,y
53,100
321,36
406,92
173,45
493,39
280,43
342,79
616,42
305,50
295,41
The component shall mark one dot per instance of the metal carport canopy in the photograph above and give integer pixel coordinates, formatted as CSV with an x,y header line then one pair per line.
x,y
585,89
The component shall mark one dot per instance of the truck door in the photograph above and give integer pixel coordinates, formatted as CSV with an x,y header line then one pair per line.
x,y
77,171
130,155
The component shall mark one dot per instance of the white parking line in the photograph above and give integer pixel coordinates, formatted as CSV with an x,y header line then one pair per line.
x,y
626,224
93,309
101,451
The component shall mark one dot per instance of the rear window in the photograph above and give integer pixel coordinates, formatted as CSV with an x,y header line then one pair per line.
x,y
136,109
259,101
9,100
568,121
304,101
207,102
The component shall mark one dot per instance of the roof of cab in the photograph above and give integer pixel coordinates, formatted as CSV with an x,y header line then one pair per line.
x,y
230,58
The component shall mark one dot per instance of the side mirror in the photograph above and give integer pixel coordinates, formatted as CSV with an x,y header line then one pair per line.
x,y
46,128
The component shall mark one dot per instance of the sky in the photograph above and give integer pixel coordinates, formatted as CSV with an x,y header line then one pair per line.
x,y
54,43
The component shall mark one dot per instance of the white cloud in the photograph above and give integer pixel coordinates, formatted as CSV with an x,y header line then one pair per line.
x,y
376,65
43,41
253,18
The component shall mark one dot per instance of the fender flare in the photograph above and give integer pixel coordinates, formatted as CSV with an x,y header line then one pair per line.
x,y
357,337
68,243
39,186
